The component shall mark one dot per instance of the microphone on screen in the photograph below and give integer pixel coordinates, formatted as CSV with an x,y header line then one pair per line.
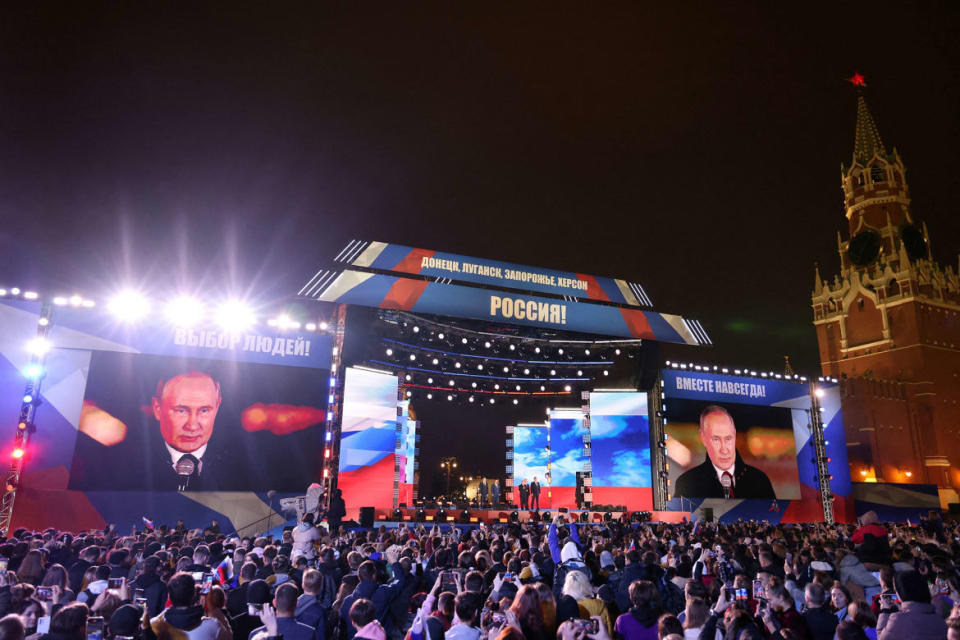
x,y
184,469
727,483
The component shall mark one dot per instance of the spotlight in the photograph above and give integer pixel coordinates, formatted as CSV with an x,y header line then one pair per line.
x,y
506,369
429,380
33,371
536,349
579,372
17,453
553,372
617,351
408,377
324,326
513,347
409,393
38,346
566,388
514,517
492,400
43,322
416,329
526,372
584,516
605,372
542,388
450,398
497,386
27,398
440,336
451,383
441,515
560,351
75,300
413,357
456,365
479,367
429,396
184,311
435,362
398,515
470,399
486,344
515,401
235,316
128,306
30,295
518,387
421,515
473,384
465,516
464,341
586,352
310,326
389,352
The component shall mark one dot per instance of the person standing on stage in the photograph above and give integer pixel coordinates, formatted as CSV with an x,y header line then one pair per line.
x,y
524,495
495,492
338,509
535,494
482,492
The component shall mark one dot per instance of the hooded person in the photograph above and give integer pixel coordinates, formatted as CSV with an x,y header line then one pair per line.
x,y
184,618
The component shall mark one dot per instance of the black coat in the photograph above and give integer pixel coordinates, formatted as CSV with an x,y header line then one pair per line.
x,y
534,488
702,482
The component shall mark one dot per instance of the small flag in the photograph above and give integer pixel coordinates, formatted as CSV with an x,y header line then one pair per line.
x,y
148,523
225,572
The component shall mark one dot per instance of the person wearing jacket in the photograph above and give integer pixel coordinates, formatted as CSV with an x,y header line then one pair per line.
x,y
154,590
915,618
854,575
305,535
381,595
184,618
577,586
285,604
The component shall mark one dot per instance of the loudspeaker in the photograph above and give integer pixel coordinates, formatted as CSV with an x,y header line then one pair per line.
x,y
647,364
366,517
707,513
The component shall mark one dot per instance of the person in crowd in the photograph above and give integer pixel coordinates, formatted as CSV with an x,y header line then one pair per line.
x,y
285,605
872,545
305,536
820,621
11,627
577,586
840,601
214,605
364,622
369,588
640,620
69,623
914,617
185,616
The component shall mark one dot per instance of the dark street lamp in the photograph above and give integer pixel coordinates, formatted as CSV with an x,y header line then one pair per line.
x,y
448,464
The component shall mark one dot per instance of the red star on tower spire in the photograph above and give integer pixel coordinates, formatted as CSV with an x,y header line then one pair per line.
x,y
857,80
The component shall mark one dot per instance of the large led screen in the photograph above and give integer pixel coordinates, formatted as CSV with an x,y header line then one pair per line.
x,y
722,447
620,449
531,458
567,457
368,439
225,426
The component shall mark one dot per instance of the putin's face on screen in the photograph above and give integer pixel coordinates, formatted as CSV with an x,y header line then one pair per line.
x,y
186,407
719,437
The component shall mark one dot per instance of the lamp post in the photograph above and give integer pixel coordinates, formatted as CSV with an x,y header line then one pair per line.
x,y
448,464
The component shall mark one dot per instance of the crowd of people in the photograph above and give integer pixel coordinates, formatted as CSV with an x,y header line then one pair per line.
x,y
517,581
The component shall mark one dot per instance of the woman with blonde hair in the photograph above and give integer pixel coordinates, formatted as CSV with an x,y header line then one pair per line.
x,y
548,605
577,586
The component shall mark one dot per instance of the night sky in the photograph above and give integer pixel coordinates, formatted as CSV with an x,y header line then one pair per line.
x,y
698,153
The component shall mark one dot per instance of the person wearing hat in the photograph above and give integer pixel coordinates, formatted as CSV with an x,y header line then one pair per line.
x,y
184,617
258,594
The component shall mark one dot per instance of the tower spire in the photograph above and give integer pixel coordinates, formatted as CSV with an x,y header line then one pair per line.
x,y
867,141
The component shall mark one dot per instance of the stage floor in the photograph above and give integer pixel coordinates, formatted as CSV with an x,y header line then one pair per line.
x,y
489,516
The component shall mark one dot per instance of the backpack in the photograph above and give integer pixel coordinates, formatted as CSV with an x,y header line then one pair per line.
x,y
560,575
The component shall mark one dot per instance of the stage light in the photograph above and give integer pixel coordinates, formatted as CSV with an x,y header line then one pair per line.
x,y
413,356
526,372
617,351
184,311
324,326
560,351
464,340
33,370
456,365
470,398
451,383
506,369
536,349
515,401
3,292
310,326
514,517
440,336
441,515
513,347
76,300
486,344
30,295
15,291
497,386
128,306
542,388
449,398
421,515
408,377
605,372
479,367
435,361
518,387
429,396
553,372
389,352
38,346
429,380
43,322
416,329
820,393
492,401
566,388
57,300
409,393
579,372
234,316
473,384
17,453
586,352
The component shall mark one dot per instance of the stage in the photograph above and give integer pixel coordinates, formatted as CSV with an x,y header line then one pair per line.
x,y
498,516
